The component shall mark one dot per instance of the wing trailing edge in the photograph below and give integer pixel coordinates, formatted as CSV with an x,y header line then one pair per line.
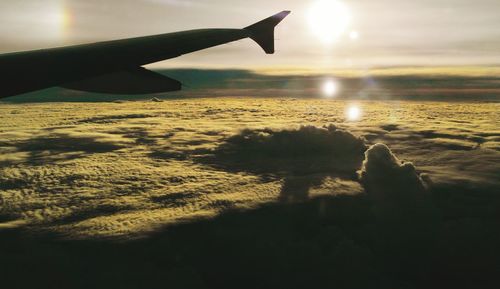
x,y
262,32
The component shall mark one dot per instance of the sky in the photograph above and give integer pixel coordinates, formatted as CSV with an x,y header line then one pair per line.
x,y
361,34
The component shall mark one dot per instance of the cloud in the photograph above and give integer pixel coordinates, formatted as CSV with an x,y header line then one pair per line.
x,y
384,176
12,224
306,150
289,195
400,200
86,165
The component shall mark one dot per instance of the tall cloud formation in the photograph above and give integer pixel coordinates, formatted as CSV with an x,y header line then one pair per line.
x,y
400,202
384,176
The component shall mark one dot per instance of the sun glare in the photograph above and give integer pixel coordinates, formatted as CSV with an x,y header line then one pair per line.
x,y
353,113
330,88
329,19
354,35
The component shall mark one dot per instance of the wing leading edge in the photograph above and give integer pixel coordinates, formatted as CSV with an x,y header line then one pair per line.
x,y
115,66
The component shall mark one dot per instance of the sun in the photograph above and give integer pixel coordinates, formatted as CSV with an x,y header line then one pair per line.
x,y
329,19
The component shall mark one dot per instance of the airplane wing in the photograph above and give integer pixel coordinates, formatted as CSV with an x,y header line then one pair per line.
x,y
116,66
128,81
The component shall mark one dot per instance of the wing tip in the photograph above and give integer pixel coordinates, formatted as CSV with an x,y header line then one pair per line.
x,y
262,32
285,13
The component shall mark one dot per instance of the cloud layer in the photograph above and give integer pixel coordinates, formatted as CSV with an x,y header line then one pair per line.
x,y
123,169
179,193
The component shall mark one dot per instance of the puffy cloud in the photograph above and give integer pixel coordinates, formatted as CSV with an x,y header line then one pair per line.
x,y
404,210
306,150
384,176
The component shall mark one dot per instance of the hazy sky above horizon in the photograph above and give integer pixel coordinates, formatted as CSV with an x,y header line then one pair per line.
x,y
378,34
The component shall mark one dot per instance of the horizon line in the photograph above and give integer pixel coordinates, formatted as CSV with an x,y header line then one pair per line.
x,y
449,70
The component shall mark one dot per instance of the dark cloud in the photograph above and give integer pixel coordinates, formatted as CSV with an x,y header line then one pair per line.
x,y
385,177
401,203
306,150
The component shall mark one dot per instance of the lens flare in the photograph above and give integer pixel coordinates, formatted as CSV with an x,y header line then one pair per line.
x,y
331,88
57,19
354,35
329,20
353,113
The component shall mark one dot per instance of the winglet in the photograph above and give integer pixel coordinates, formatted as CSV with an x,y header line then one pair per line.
x,y
263,32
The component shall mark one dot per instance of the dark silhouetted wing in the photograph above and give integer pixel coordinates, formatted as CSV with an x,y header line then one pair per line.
x,y
88,67
130,81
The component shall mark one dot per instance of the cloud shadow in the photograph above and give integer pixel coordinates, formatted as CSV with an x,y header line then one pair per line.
x,y
303,157
62,146
333,241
